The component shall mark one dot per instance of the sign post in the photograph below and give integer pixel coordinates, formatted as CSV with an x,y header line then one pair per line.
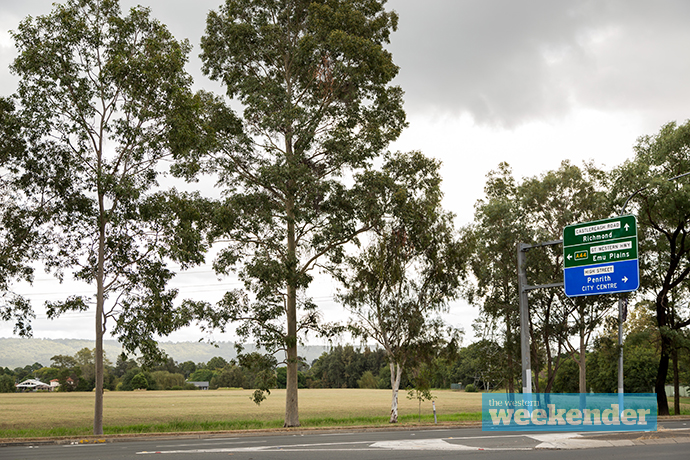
x,y
600,257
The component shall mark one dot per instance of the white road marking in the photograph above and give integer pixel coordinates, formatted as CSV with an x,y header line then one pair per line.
x,y
212,440
547,441
574,441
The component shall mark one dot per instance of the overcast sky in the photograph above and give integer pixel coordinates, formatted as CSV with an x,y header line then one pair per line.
x,y
531,83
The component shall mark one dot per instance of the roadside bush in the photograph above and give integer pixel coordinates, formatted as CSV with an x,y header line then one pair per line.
x,y
470,388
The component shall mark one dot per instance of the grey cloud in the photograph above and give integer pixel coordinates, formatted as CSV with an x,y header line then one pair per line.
x,y
509,62
503,62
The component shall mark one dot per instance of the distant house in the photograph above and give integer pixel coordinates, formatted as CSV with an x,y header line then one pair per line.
x,y
32,385
201,385
54,384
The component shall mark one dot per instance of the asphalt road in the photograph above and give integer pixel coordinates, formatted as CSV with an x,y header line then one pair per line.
x,y
671,442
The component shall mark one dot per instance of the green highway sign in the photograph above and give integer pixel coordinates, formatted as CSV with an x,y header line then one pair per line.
x,y
600,257
599,231
605,251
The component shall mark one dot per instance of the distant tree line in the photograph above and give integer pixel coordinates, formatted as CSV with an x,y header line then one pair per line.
x,y
480,364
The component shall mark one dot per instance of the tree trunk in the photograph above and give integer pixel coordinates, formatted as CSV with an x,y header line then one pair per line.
x,y
98,359
291,393
509,350
660,385
396,375
536,365
291,406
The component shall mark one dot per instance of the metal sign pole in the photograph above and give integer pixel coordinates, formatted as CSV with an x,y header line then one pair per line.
x,y
523,289
524,320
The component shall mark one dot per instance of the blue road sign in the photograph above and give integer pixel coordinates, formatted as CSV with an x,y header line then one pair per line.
x,y
607,278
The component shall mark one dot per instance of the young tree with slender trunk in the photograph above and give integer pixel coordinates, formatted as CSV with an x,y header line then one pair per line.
x,y
410,271
313,79
492,238
101,92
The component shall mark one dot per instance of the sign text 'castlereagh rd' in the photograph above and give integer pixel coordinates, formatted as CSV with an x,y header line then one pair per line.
x,y
601,257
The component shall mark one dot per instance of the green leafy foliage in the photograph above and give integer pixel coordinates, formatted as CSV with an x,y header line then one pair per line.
x,y
139,382
7,384
32,189
663,207
531,212
343,366
368,380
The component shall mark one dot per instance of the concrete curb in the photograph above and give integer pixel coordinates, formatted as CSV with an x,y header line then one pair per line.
x,y
67,440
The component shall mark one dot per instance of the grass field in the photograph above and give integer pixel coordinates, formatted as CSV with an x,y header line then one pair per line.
x,y
71,414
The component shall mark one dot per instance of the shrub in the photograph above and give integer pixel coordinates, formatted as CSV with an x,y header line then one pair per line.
x,y
470,388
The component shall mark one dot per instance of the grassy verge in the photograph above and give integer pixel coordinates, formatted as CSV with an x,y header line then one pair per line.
x,y
70,414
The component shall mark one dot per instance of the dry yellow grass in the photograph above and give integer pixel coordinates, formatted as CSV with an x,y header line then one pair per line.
x,y
41,411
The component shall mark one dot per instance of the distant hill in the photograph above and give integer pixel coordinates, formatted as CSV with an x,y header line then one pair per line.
x,y
15,352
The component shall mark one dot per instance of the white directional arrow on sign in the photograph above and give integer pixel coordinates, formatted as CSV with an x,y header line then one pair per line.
x,y
570,256
627,227
625,279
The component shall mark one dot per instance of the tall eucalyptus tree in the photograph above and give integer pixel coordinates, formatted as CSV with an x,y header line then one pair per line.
x,y
313,79
101,92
